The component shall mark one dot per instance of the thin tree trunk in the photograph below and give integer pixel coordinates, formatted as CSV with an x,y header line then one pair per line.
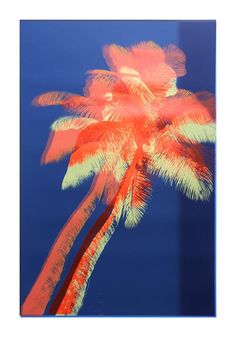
x,y
39,296
73,299
87,242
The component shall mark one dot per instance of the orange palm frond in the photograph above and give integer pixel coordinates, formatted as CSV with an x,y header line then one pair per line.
x,y
175,58
154,66
63,138
107,131
186,107
57,98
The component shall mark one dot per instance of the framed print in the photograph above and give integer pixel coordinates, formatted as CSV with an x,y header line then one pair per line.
x,y
117,168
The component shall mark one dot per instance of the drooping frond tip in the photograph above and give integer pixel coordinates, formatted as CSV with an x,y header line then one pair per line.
x,y
135,203
50,98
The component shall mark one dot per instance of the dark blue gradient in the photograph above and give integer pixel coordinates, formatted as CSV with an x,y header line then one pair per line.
x,y
165,266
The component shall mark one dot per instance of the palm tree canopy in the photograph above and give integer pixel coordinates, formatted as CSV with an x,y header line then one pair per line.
x,y
135,106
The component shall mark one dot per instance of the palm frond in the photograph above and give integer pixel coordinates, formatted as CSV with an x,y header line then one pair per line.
x,y
189,176
57,98
97,147
175,57
186,107
146,69
180,165
71,122
135,202
77,173
63,138
114,171
197,133
107,131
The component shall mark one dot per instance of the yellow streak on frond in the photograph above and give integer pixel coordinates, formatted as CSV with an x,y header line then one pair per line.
x,y
71,122
150,147
120,169
132,80
129,71
135,202
133,214
51,98
114,164
108,96
178,171
110,112
77,173
199,133
101,161
173,89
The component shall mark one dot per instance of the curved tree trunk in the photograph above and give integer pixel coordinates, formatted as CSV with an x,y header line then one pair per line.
x,y
72,299
85,245
40,294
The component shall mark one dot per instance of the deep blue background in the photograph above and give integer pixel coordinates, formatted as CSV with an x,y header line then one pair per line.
x,y
165,266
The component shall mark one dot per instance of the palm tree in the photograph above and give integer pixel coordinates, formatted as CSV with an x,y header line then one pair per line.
x,y
168,153
135,123
62,141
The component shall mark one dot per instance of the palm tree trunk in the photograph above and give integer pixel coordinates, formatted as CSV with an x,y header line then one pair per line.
x,y
39,296
74,268
72,299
